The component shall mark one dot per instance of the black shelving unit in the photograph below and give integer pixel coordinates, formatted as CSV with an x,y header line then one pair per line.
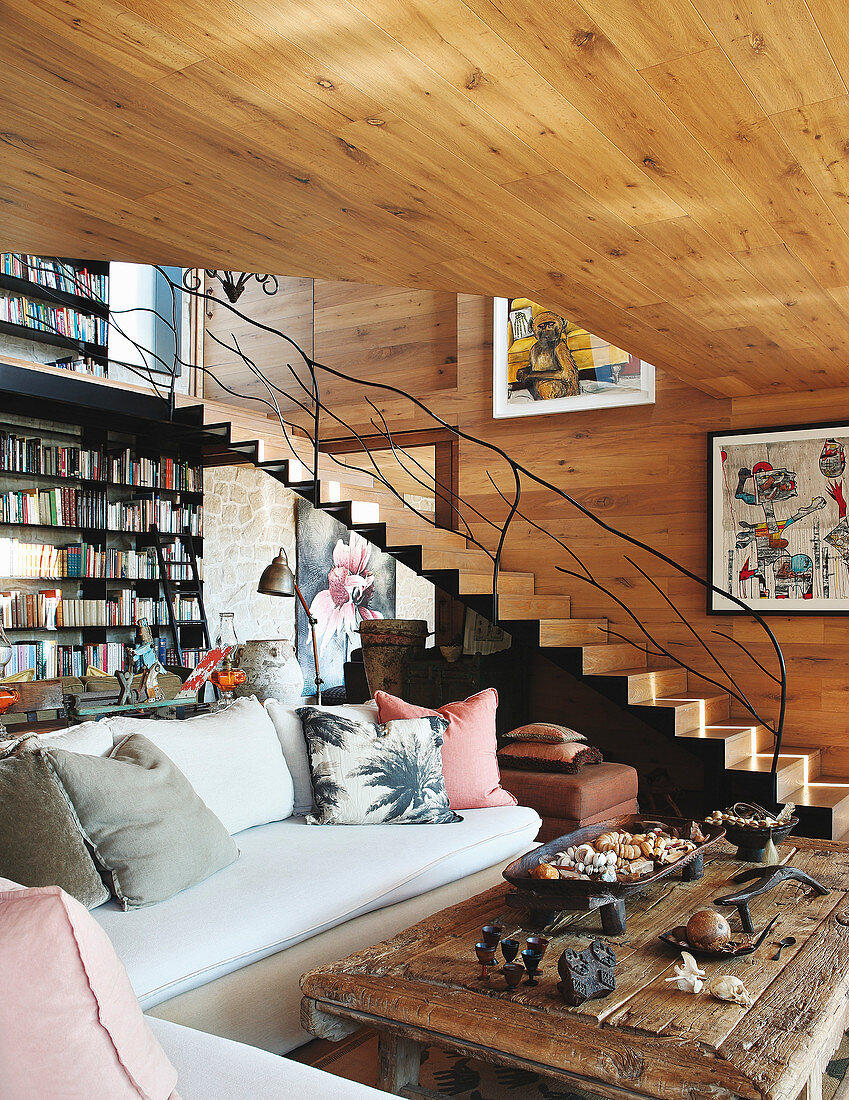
x,y
113,441
81,303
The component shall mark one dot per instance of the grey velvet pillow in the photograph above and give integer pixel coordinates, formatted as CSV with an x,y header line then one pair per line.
x,y
151,833
41,842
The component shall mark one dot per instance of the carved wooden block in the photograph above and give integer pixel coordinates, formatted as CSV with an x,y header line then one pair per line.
x,y
586,974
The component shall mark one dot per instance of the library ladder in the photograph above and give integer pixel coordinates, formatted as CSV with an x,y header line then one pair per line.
x,y
183,586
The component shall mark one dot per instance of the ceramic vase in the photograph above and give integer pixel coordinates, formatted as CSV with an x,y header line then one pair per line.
x,y
386,644
273,671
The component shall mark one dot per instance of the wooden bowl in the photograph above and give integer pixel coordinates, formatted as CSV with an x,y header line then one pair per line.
x,y
751,843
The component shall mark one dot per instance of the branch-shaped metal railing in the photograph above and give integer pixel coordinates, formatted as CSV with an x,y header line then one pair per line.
x,y
312,412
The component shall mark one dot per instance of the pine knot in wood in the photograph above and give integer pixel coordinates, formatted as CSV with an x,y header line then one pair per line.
x,y
626,1063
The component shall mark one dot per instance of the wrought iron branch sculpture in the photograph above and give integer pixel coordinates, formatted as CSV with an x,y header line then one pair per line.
x,y
307,400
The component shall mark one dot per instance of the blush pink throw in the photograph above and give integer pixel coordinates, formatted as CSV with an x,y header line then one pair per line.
x,y
70,1025
469,763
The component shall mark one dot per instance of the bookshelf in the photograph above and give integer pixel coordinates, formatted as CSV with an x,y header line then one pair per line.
x,y
58,302
77,563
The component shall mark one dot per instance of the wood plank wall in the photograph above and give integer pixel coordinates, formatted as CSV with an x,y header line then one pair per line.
x,y
408,337
642,470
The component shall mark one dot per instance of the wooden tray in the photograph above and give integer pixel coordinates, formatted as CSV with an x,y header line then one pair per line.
x,y
548,896
677,938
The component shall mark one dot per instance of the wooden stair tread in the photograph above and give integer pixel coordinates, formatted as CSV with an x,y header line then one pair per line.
x,y
685,698
480,584
713,733
637,671
736,725
534,607
571,633
763,761
826,792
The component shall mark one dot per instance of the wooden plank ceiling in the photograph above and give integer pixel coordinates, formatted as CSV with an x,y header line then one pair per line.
x,y
673,176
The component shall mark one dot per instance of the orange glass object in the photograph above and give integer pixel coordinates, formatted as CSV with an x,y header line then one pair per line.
x,y
8,698
228,678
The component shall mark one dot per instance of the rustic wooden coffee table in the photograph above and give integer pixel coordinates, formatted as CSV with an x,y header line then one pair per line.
x,y
647,1039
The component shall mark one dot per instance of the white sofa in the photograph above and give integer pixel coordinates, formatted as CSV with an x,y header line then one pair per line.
x,y
211,1068
226,956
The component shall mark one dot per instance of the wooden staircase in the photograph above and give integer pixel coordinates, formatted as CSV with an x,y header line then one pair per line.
x,y
737,752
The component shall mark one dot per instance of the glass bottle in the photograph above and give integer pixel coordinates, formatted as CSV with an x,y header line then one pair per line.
x,y
227,676
226,635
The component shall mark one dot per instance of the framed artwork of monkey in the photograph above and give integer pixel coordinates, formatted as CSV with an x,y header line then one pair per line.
x,y
544,363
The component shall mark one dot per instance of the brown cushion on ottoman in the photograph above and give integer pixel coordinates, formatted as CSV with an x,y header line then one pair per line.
x,y
545,731
555,794
537,756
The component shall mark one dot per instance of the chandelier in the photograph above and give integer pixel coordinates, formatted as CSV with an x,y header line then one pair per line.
x,y
232,282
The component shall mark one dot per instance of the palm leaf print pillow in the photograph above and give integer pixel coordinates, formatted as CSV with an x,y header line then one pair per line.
x,y
365,774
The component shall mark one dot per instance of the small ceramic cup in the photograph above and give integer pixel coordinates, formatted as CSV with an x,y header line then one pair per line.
x,y
537,944
486,957
509,949
491,934
531,960
512,974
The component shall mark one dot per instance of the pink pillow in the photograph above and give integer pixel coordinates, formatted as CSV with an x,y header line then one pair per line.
x,y
70,1025
469,763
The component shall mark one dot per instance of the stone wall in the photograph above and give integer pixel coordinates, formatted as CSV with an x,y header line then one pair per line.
x,y
248,516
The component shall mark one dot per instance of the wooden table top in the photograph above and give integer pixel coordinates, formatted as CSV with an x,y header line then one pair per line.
x,y
647,1038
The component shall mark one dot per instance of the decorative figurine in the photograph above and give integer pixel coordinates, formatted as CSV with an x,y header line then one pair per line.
x,y
147,662
586,974
764,879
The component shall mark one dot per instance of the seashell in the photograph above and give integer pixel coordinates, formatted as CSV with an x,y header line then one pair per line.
x,y
611,859
725,987
608,874
600,860
584,853
688,977
544,870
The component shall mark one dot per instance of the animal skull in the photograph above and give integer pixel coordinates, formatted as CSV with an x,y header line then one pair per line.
x,y
688,977
725,987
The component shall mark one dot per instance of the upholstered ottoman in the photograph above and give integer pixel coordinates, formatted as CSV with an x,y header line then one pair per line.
x,y
568,801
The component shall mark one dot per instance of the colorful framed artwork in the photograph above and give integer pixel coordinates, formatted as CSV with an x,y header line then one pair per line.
x,y
344,579
779,535
544,363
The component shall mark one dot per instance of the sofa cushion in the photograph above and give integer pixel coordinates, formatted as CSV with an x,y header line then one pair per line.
x,y
211,1068
293,881
578,797
92,738
70,1024
151,834
469,762
544,756
290,732
231,757
549,732
365,773
41,840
